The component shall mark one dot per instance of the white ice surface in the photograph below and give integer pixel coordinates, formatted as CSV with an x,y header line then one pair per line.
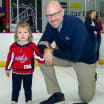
x,y
67,80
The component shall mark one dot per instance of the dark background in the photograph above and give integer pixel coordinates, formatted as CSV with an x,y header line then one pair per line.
x,y
30,3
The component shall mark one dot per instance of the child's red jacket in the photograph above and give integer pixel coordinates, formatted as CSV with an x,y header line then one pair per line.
x,y
21,58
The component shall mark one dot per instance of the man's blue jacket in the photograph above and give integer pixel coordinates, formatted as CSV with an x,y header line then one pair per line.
x,y
73,41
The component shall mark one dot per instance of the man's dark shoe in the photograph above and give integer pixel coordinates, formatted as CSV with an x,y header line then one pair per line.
x,y
55,98
81,103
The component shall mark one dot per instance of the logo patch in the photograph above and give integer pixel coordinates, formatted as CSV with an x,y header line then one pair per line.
x,y
67,38
22,58
20,50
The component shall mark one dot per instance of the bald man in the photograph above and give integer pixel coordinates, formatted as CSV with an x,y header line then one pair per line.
x,y
75,49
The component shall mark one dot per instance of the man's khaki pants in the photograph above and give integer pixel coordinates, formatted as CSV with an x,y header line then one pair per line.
x,y
85,75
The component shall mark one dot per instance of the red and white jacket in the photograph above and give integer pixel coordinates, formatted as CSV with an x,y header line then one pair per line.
x,y
21,58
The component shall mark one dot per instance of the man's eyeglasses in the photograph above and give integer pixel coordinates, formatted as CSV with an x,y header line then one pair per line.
x,y
54,14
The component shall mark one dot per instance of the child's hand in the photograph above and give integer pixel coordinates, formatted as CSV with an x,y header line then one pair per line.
x,y
7,73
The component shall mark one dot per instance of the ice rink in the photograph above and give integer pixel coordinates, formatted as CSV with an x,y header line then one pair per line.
x,y
67,80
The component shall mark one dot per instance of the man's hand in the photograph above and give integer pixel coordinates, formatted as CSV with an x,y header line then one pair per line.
x,y
48,53
48,56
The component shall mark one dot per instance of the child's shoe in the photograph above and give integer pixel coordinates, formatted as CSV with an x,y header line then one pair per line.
x,y
29,102
13,102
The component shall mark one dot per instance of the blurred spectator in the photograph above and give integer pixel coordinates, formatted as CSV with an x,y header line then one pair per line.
x,y
2,14
92,27
99,32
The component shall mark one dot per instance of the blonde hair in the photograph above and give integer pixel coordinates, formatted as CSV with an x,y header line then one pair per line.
x,y
23,24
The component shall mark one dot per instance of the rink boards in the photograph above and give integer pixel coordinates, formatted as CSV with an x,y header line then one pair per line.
x,y
6,39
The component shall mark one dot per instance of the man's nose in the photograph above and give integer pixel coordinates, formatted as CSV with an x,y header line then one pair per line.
x,y
52,18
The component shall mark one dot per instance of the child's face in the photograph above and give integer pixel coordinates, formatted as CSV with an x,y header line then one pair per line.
x,y
23,34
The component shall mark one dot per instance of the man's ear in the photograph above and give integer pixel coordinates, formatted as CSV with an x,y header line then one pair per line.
x,y
62,11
